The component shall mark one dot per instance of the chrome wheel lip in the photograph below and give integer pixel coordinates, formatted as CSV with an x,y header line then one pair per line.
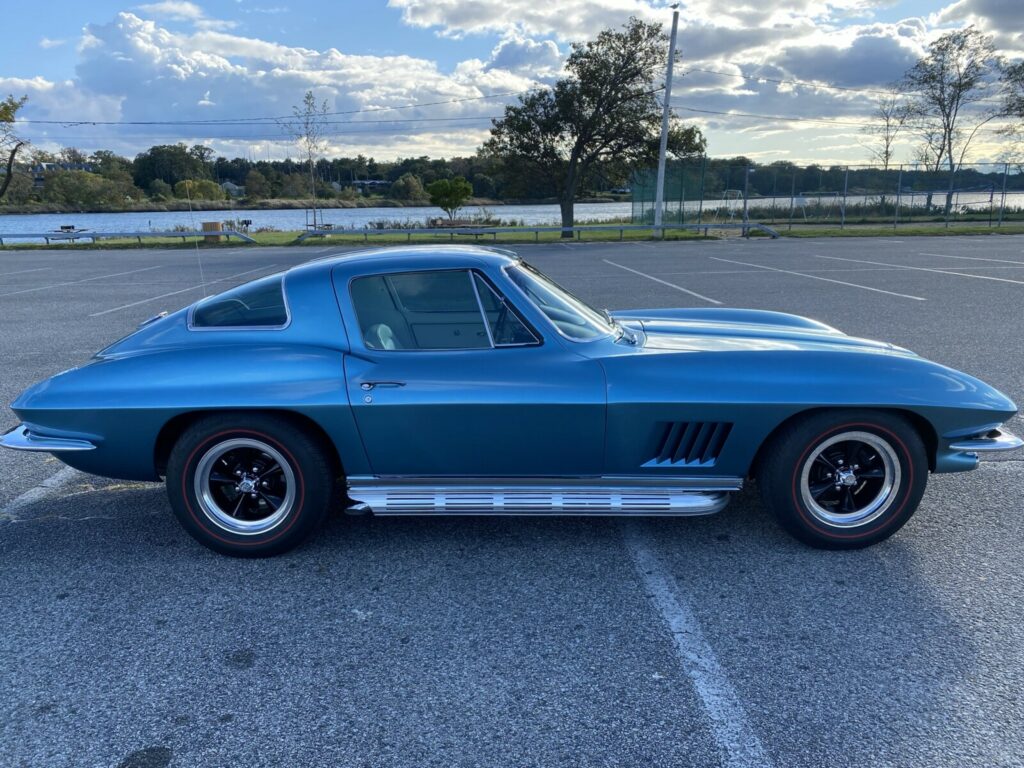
x,y
223,518
882,500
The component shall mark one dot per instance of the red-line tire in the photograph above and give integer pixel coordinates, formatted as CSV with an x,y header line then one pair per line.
x,y
808,481
275,459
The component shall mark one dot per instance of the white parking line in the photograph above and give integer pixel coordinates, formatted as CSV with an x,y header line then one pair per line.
x,y
921,269
183,290
76,282
819,277
26,271
973,258
48,487
663,282
729,726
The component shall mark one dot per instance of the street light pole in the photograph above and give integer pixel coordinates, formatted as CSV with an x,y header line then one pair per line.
x,y
659,194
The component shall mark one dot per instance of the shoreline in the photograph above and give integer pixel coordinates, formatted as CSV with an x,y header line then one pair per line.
x,y
275,204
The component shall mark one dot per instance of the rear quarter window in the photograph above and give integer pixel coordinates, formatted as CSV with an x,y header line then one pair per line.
x,y
259,304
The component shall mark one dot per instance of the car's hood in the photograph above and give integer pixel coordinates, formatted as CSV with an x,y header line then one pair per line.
x,y
742,330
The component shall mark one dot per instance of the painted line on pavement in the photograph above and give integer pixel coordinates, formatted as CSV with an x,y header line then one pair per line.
x,y
49,487
663,282
76,282
26,271
824,279
921,269
973,258
183,290
729,725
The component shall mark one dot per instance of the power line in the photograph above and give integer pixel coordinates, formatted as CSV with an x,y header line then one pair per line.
x,y
807,83
784,118
257,120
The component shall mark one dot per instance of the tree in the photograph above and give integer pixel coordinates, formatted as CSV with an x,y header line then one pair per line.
x,y
159,189
87,191
948,86
201,189
450,194
1013,106
10,142
256,185
170,163
484,186
306,126
606,109
407,187
890,117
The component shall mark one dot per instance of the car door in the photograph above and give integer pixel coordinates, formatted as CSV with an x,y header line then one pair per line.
x,y
447,378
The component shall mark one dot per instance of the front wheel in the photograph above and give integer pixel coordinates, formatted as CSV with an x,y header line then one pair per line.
x,y
844,480
249,485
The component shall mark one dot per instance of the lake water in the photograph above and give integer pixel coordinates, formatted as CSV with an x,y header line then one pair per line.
x,y
294,220
809,206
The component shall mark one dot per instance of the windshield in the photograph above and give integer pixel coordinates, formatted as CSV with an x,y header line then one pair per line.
x,y
572,317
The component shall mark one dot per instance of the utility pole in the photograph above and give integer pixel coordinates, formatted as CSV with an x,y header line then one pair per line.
x,y
659,193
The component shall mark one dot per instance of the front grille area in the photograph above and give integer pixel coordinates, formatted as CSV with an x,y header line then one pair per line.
x,y
691,443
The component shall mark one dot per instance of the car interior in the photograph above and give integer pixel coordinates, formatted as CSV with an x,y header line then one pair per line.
x,y
434,310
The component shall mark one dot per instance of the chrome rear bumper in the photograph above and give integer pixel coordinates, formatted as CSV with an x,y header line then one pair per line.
x,y
994,440
21,439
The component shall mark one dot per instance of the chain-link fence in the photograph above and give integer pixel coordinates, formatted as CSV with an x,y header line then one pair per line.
x,y
709,191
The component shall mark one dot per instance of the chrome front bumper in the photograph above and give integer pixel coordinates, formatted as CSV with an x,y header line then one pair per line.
x,y
994,440
21,439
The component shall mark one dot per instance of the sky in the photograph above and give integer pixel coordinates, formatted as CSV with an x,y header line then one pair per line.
x,y
424,77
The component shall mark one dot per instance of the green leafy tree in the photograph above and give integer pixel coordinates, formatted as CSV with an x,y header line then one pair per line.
x,y
160,190
605,110
407,187
10,142
484,186
87,191
199,189
256,185
170,163
450,194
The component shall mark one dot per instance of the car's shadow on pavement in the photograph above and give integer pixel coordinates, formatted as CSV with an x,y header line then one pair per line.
x,y
485,623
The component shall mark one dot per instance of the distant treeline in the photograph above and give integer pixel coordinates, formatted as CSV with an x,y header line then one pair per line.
x,y
176,172
170,173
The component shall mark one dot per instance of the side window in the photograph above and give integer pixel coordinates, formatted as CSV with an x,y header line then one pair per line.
x,y
507,328
419,311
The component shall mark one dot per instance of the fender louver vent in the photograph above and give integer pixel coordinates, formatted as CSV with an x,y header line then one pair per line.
x,y
691,443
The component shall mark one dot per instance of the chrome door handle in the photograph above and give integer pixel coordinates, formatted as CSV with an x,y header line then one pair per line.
x,y
368,385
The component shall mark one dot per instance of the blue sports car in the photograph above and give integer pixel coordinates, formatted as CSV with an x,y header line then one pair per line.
x,y
461,380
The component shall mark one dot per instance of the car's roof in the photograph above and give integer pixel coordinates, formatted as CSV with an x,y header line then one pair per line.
x,y
442,256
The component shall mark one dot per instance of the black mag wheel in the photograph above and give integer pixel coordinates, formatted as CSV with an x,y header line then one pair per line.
x,y
844,479
245,486
250,485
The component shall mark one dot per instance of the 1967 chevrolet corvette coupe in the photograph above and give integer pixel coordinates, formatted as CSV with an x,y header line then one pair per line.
x,y
461,380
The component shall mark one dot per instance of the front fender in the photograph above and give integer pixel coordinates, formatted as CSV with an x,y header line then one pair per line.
x,y
757,391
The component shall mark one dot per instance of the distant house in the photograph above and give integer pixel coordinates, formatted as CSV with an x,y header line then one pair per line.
x,y
39,170
233,189
371,185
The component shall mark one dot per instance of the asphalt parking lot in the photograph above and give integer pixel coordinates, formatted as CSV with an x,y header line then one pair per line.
x,y
521,642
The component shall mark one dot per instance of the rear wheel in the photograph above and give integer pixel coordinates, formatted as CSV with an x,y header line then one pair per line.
x,y
844,479
249,485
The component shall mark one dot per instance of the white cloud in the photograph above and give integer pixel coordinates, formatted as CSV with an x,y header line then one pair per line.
x,y
47,43
178,10
148,66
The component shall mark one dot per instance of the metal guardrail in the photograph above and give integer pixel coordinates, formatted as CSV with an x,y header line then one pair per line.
x,y
452,232
478,232
94,236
